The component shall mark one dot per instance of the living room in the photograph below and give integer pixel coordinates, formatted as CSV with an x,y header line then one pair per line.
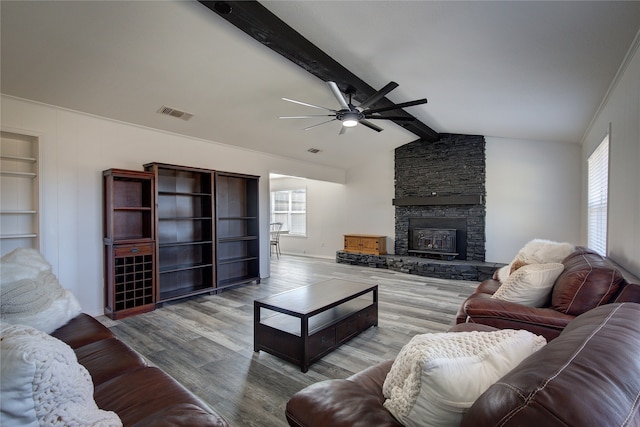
x,y
535,188
77,146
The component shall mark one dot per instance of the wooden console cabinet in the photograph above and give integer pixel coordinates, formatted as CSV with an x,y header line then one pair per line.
x,y
365,244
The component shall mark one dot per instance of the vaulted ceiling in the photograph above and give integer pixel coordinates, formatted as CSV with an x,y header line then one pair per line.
x,y
515,69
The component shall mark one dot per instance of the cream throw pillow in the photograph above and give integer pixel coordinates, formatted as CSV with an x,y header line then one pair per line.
x,y
43,384
437,377
30,293
530,285
538,251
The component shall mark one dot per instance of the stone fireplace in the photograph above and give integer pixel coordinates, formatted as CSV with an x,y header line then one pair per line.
x,y
441,185
439,194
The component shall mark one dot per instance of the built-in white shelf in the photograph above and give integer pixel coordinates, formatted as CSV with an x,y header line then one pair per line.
x,y
18,236
19,226
18,212
19,158
19,174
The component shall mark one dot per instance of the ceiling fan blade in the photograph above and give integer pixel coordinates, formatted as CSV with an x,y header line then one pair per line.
x,y
319,124
398,106
379,95
309,105
336,92
371,125
399,118
306,117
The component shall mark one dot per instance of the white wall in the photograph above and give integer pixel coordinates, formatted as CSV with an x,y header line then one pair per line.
x,y
621,112
325,217
370,192
361,206
74,150
533,191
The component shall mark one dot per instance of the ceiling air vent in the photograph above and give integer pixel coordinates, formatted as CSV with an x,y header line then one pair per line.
x,y
175,113
313,150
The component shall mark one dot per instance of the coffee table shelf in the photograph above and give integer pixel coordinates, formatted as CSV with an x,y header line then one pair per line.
x,y
304,324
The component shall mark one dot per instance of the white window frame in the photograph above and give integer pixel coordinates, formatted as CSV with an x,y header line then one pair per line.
x,y
598,197
288,223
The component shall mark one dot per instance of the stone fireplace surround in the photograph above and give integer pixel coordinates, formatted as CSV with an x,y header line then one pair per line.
x,y
441,185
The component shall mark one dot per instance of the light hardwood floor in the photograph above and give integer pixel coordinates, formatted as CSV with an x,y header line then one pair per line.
x,y
206,342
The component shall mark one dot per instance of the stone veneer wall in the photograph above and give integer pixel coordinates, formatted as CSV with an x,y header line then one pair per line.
x,y
452,166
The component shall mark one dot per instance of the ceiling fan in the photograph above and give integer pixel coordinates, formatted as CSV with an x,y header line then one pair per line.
x,y
350,115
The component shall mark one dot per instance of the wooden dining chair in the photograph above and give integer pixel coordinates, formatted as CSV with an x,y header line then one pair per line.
x,y
275,228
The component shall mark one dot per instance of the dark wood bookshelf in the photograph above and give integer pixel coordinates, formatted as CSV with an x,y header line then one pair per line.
x,y
185,230
188,231
129,242
237,229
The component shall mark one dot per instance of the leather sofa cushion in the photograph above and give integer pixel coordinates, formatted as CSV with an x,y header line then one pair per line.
x,y
488,287
149,397
82,330
587,281
482,309
352,402
586,377
180,415
108,358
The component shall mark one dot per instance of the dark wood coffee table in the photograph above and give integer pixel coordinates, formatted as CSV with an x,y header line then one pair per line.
x,y
304,324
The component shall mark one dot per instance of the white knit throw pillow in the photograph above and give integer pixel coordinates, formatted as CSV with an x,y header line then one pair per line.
x,y
43,384
530,285
437,377
30,293
539,251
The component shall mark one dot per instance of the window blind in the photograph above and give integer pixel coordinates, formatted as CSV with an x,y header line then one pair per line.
x,y
598,192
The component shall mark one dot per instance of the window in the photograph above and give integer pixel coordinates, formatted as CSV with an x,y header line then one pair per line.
x,y
598,189
290,208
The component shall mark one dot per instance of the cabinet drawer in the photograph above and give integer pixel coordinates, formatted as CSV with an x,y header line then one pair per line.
x,y
322,341
368,317
132,250
348,328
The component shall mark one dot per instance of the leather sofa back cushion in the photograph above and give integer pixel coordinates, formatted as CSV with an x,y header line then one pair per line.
x,y
585,377
587,281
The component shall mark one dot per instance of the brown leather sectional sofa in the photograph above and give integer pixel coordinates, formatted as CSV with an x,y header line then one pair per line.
x,y
587,376
124,382
588,281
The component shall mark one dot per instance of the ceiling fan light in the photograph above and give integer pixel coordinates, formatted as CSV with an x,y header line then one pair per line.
x,y
349,123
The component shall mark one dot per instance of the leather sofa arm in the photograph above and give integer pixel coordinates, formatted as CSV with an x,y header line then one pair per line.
x,y
481,308
630,293
587,377
338,403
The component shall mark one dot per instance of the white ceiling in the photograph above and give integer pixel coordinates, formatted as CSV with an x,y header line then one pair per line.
x,y
514,69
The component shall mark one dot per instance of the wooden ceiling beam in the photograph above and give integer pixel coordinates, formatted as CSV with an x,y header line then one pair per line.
x,y
265,27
